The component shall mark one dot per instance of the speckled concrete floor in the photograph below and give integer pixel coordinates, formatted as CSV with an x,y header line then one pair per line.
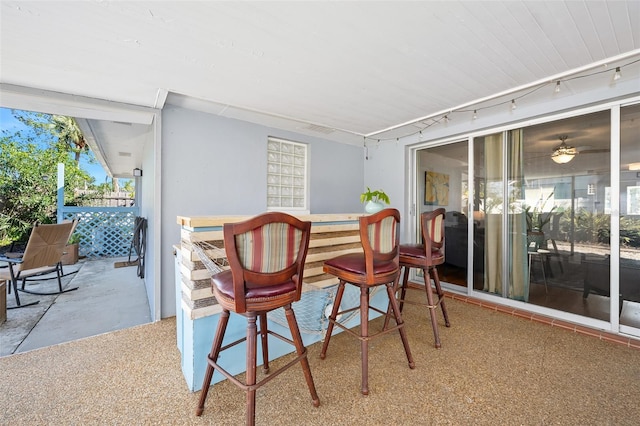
x,y
493,368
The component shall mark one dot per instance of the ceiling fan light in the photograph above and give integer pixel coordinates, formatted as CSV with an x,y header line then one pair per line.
x,y
563,153
634,166
562,157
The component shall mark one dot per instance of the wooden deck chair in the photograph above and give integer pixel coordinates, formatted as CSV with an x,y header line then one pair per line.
x,y
42,255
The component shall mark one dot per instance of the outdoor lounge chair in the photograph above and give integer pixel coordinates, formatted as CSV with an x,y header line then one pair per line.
x,y
42,255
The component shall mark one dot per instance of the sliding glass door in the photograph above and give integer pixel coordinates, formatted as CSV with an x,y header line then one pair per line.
x,y
443,181
500,237
567,174
544,228
531,218
629,272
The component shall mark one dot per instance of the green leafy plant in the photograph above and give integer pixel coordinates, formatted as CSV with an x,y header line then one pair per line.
x,y
592,227
74,239
378,196
536,217
29,160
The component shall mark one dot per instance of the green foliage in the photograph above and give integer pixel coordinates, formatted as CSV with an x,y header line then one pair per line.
x,y
377,196
630,231
537,218
595,228
74,239
28,179
128,187
65,130
591,227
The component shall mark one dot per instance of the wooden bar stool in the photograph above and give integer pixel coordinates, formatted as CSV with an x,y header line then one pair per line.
x,y
378,265
266,255
426,256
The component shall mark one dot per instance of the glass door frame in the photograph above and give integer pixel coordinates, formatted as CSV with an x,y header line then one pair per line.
x,y
413,200
613,324
615,204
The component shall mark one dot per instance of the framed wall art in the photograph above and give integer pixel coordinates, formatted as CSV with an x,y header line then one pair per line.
x,y
436,189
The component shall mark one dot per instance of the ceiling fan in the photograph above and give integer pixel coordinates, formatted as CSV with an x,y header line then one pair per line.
x,y
564,153
588,149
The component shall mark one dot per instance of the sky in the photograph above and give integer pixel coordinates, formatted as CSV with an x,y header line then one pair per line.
x,y
9,123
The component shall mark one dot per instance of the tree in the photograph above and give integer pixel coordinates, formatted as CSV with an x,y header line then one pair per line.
x,y
128,186
64,128
28,179
69,133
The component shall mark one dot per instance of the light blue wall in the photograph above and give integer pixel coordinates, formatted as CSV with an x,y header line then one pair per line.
x,y
213,165
147,191
385,168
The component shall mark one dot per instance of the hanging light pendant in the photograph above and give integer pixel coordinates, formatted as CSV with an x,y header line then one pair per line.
x,y
617,74
563,153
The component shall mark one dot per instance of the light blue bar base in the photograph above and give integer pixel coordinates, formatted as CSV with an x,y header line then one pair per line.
x,y
194,337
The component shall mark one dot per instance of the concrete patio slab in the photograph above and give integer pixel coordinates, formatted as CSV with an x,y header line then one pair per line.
x,y
107,299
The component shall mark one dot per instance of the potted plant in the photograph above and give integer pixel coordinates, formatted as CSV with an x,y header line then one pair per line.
x,y
70,256
374,201
536,220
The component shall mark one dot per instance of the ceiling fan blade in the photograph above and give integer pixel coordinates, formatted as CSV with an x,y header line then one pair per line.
x,y
594,151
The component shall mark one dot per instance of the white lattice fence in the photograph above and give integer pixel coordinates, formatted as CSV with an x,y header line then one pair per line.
x,y
103,232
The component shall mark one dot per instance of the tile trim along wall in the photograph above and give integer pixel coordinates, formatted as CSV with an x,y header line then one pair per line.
x,y
553,322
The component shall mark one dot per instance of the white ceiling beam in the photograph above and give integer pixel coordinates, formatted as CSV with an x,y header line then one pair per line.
x,y
29,99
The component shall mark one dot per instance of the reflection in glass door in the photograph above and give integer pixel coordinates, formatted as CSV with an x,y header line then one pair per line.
x,y
629,274
442,174
545,228
566,178
541,214
500,237
488,206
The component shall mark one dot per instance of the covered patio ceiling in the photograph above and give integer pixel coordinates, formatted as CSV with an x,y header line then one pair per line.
x,y
341,71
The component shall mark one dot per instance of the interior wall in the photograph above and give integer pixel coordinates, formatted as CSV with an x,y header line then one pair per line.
x,y
213,165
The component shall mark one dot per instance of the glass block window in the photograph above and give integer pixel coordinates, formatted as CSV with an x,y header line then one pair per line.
x,y
287,168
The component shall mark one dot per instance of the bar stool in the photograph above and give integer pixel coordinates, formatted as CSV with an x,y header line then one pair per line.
x,y
427,256
266,255
541,255
377,265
